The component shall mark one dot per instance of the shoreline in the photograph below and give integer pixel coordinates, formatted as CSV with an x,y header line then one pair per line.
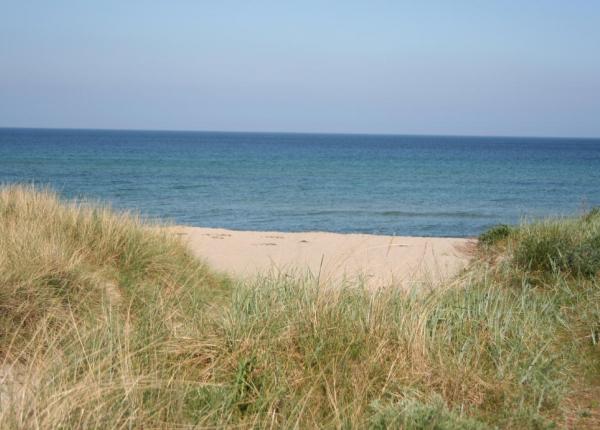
x,y
172,224
377,260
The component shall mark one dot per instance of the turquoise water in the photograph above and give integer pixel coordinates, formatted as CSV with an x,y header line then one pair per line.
x,y
405,185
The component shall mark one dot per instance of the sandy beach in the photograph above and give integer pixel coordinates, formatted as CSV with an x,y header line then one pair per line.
x,y
378,260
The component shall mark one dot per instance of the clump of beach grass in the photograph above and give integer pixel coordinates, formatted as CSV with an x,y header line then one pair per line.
x,y
570,246
108,322
495,234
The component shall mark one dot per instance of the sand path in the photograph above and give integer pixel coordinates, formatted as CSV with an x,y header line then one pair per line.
x,y
378,260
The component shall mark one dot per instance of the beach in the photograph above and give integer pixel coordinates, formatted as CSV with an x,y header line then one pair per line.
x,y
318,215
376,260
103,312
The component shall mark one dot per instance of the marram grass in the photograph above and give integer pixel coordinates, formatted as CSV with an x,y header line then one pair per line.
x,y
108,322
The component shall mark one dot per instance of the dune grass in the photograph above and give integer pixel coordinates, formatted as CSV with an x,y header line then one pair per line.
x,y
108,322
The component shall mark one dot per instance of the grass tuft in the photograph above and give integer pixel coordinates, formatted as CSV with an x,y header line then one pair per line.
x,y
569,246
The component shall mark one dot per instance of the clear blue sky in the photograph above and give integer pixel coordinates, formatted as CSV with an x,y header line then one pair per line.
x,y
422,67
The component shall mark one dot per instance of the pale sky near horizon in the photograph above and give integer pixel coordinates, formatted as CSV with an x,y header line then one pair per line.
x,y
527,68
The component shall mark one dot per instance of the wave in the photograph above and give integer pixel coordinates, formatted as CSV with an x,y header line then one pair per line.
x,y
397,213
437,214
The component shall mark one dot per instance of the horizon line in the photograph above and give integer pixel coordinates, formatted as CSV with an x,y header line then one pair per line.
x,y
166,130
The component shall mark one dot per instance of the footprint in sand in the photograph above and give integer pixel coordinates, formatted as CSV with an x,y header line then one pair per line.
x,y
219,236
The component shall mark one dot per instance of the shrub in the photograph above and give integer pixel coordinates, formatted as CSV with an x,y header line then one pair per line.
x,y
495,234
567,246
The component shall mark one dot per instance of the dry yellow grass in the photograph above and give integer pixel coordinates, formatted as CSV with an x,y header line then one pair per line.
x,y
106,322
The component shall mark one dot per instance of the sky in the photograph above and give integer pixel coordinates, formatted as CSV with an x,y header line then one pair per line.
x,y
521,68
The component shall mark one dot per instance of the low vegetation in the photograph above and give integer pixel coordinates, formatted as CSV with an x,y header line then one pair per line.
x,y
570,247
495,234
108,322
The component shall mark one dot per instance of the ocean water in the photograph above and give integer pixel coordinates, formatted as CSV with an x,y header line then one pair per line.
x,y
403,185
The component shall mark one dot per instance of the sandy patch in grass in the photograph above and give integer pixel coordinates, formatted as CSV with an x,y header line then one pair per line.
x,y
378,260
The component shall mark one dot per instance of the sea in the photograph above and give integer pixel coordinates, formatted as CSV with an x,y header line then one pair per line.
x,y
447,186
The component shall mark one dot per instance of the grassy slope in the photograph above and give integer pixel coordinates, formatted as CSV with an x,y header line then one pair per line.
x,y
106,322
